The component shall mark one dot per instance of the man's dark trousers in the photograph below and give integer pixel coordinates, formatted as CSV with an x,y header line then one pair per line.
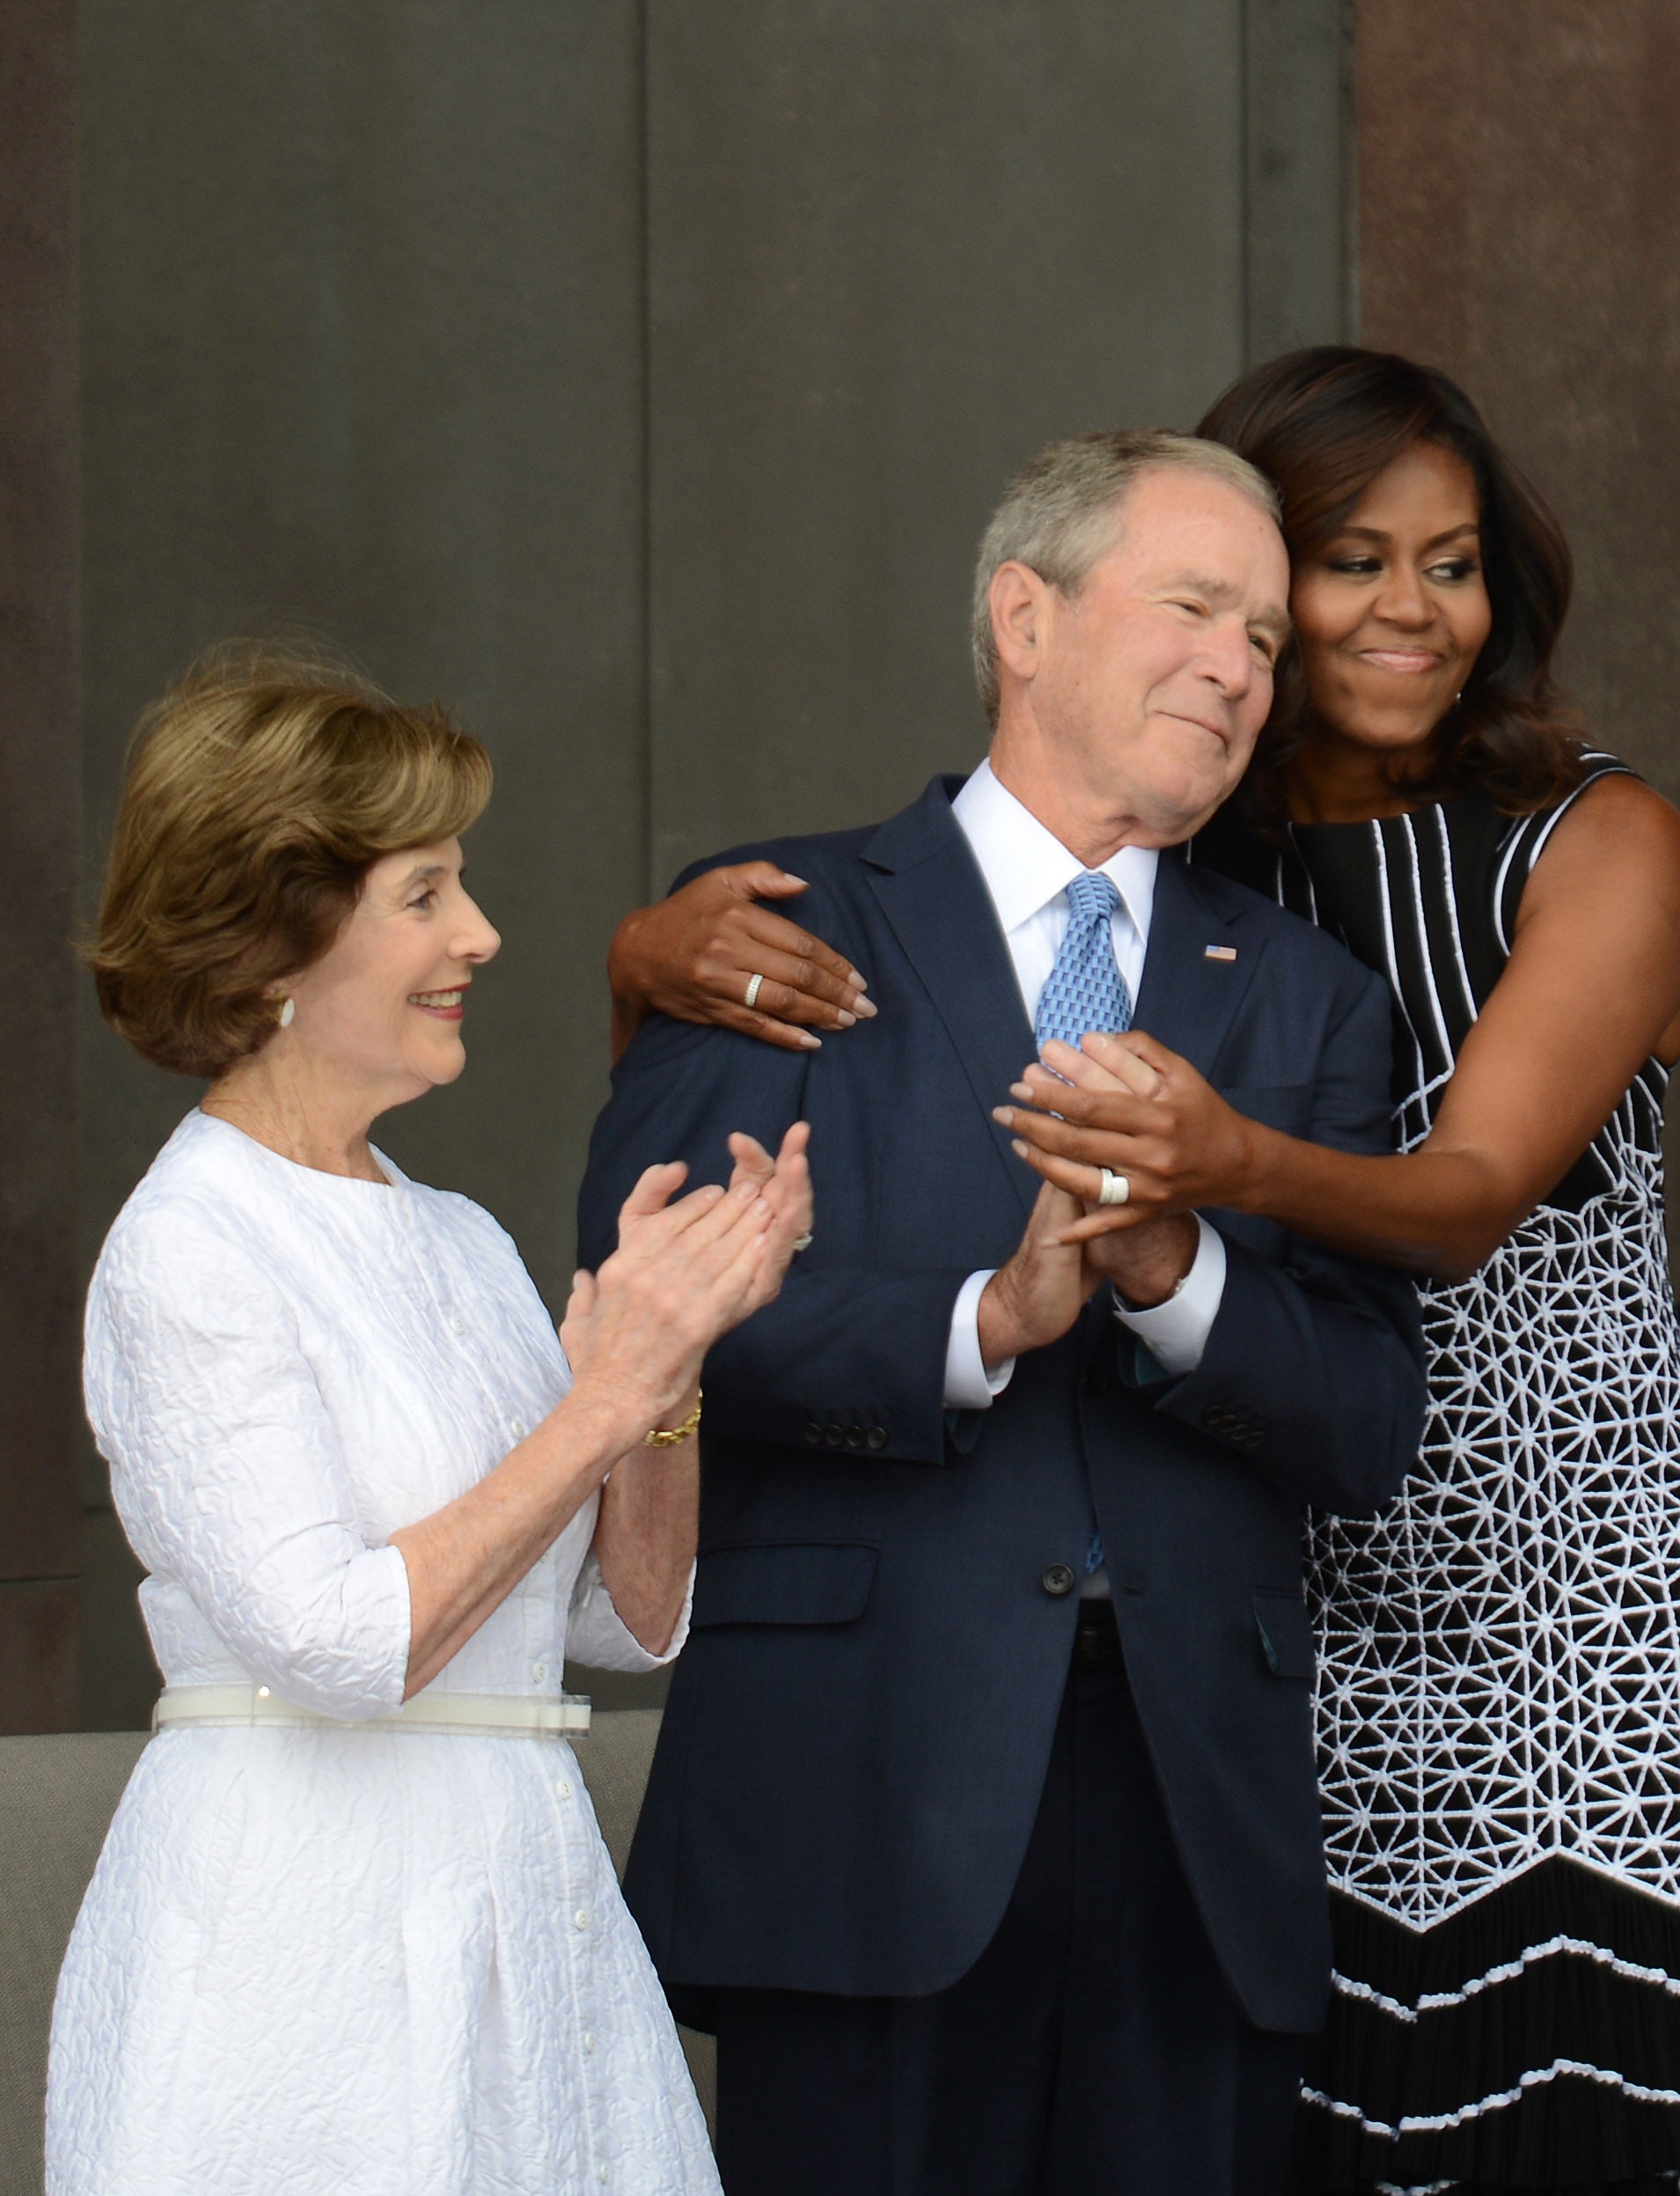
x,y
1095,2045
862,1732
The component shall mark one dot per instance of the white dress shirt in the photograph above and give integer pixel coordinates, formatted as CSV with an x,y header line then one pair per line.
x,y
1027,872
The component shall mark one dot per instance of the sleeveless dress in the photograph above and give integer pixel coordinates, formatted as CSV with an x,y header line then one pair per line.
x,y
1499,1690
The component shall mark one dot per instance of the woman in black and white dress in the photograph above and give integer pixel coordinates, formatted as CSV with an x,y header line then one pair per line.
x,y
1498,1694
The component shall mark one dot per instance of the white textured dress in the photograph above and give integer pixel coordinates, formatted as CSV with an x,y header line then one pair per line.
x,y
314,1960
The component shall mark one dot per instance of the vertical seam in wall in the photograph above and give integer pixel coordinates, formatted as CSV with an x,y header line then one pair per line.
x,y
649,884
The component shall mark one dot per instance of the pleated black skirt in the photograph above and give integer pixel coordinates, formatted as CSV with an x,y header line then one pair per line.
x,y
1530,2042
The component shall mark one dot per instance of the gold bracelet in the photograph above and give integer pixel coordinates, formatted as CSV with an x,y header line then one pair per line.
x,y
668,1436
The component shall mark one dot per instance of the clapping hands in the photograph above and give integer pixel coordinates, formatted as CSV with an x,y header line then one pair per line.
x,y
684,1274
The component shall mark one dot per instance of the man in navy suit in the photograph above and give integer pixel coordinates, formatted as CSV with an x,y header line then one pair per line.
x,y
983,1826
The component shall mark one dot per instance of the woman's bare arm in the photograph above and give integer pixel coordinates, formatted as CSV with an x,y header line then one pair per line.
x,y
645,1539
465,1560
1591,990
692,955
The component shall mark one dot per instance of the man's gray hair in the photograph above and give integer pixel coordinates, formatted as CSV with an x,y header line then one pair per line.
x,y
1060,515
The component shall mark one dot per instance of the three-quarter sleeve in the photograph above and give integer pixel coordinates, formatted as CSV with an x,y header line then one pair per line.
x,y
228,1472
597,1635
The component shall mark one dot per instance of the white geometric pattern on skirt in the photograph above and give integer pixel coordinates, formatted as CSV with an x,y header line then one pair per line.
x,y
1501,1668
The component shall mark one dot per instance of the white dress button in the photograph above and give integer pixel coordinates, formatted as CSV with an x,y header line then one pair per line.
x,y
603,2174
588,2039
520,1430
580,1919
538,1671
565,1790
458,1325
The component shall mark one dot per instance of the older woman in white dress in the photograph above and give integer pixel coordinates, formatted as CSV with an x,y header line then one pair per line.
x,y
354,1929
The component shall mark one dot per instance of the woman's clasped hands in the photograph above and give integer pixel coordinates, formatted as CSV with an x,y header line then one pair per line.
x,y
684,1274
1126,1104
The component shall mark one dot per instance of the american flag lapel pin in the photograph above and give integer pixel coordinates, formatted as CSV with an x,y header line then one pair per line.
x,y
1219,952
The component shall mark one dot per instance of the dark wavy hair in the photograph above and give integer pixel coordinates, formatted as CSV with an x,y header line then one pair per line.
x,y
1322,423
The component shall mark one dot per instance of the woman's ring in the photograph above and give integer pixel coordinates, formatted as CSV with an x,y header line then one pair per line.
x,y
804,1242
752,985
1116,1189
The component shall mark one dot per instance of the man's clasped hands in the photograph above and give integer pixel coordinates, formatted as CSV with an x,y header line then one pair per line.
x,y
1124,1104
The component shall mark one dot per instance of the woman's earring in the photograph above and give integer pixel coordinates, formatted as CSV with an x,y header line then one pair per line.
x,y
287,1007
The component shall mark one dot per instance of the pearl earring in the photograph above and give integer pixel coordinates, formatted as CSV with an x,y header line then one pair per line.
x,y
287,1007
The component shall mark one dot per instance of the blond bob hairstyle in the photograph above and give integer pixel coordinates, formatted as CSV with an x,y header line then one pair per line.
x,y
260,789
1064,510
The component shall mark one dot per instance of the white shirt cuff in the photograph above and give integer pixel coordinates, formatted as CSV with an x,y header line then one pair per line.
x,y
1175,1332
968,1384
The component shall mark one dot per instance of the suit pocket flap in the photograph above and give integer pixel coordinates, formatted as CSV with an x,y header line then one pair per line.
x,y
784,1583
1285,1633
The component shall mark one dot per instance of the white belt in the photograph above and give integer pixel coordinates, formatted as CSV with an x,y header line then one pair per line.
x,y
484,1714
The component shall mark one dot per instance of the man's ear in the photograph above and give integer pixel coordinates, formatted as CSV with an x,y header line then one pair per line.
x,y
1021,618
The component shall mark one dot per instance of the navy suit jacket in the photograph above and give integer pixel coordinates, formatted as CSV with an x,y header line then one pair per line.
x,y
858,1730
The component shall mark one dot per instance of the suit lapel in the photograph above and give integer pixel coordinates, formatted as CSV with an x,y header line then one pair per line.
x,y
931,891
1186,1000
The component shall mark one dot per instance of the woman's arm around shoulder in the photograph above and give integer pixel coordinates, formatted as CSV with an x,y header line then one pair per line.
x,y
1590,992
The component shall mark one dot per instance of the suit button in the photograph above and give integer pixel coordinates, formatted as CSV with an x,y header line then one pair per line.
x,y
877,1437
813,1431
853,1437
836,1435
1057,1579
1217,1419
1099,1380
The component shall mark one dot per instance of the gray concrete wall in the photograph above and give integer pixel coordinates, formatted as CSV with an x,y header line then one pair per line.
x,y
39,1265
638,378
363,341
894,247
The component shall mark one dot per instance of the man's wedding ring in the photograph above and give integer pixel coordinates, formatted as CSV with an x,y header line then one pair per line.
x,y
1116,1189
753,985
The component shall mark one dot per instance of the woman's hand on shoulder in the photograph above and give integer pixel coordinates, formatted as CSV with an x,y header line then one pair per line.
x,y
695,955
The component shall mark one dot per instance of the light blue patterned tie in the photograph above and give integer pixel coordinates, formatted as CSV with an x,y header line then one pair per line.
x,y
1085,991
